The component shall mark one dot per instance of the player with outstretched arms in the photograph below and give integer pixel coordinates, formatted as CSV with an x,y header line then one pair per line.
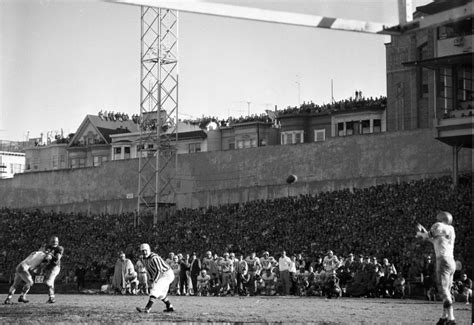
x,y
22,274
442,236
160,276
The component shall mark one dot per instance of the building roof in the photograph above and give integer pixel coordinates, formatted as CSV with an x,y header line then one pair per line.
x,y
104,127
440,6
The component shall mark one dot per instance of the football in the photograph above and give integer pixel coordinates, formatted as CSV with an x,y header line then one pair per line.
x,y
291,179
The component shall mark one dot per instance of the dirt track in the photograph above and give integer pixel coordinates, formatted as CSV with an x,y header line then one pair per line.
x,y
120,309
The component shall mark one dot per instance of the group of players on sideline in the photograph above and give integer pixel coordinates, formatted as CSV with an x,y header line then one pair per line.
x,y
228,274
235,275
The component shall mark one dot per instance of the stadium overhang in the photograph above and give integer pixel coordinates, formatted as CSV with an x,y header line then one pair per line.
x,y
456,132
445,61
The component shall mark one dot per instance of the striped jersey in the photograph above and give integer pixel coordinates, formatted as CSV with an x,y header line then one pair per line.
x,y
155,266
34,259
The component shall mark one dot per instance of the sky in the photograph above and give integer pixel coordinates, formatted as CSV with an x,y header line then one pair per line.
x,y
63,59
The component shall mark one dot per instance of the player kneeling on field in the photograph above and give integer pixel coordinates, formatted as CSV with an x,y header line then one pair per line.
x,y
131,282
332,287
203,283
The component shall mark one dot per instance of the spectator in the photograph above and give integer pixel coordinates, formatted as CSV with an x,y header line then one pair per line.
x,y
123,267
284,264
465,288
195,269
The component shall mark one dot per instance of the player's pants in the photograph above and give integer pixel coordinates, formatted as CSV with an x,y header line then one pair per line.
x,y
161,285
23,274
226,278
51,275
143,281
285,281
444,277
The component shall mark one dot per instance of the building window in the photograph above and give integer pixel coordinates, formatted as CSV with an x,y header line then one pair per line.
x,y
126,153
231,146
117,153
350,128
96,161
82,162
55,162
292,137
319,135
340,129
194,147
15,169
240,144
74,163
253,143
62,161
377,125
365,126
35,163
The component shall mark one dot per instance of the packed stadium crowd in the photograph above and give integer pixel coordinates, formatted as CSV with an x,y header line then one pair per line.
x,y
367,234
343,105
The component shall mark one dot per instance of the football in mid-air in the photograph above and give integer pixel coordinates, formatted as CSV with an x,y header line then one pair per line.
x,y
291,179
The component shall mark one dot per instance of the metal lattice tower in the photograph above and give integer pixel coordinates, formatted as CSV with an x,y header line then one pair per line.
x,y
158,112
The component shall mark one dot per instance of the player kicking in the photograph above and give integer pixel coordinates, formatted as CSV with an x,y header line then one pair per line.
x,y
160,275
442,236
22,274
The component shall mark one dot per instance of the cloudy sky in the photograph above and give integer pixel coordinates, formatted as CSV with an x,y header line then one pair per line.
x,y
61,60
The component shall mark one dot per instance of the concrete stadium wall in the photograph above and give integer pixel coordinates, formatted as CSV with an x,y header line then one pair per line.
x,y
214,178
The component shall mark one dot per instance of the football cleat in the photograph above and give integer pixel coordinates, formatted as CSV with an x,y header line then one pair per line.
x,y
442,321
451,322
8,301
23,299
169,309
51,300
143,310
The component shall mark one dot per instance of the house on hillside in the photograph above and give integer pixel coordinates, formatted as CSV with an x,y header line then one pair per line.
x,y
91,145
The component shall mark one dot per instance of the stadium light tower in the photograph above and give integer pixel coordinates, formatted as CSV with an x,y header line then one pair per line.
x,y
158,111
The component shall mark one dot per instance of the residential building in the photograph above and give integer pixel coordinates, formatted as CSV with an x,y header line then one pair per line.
x,y
11,163
91,144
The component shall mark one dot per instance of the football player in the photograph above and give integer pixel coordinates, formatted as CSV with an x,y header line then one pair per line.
x,y
442,236
53,267
22,274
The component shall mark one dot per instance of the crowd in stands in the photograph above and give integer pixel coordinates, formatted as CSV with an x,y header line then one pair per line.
x,y
113,116
343,105
371,231
205,120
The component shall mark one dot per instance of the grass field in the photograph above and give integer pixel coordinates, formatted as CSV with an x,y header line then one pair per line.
x,y
121,309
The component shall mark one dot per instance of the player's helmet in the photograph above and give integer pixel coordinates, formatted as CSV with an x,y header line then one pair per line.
x,y
145,249
445,217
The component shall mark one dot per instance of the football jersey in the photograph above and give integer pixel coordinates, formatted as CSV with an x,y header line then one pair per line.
x,y
34,259
267,263
443,236
206,262
155,265
226,266
55,251
253,264
203,280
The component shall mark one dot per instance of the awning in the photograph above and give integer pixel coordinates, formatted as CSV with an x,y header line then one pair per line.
x,y
445,61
